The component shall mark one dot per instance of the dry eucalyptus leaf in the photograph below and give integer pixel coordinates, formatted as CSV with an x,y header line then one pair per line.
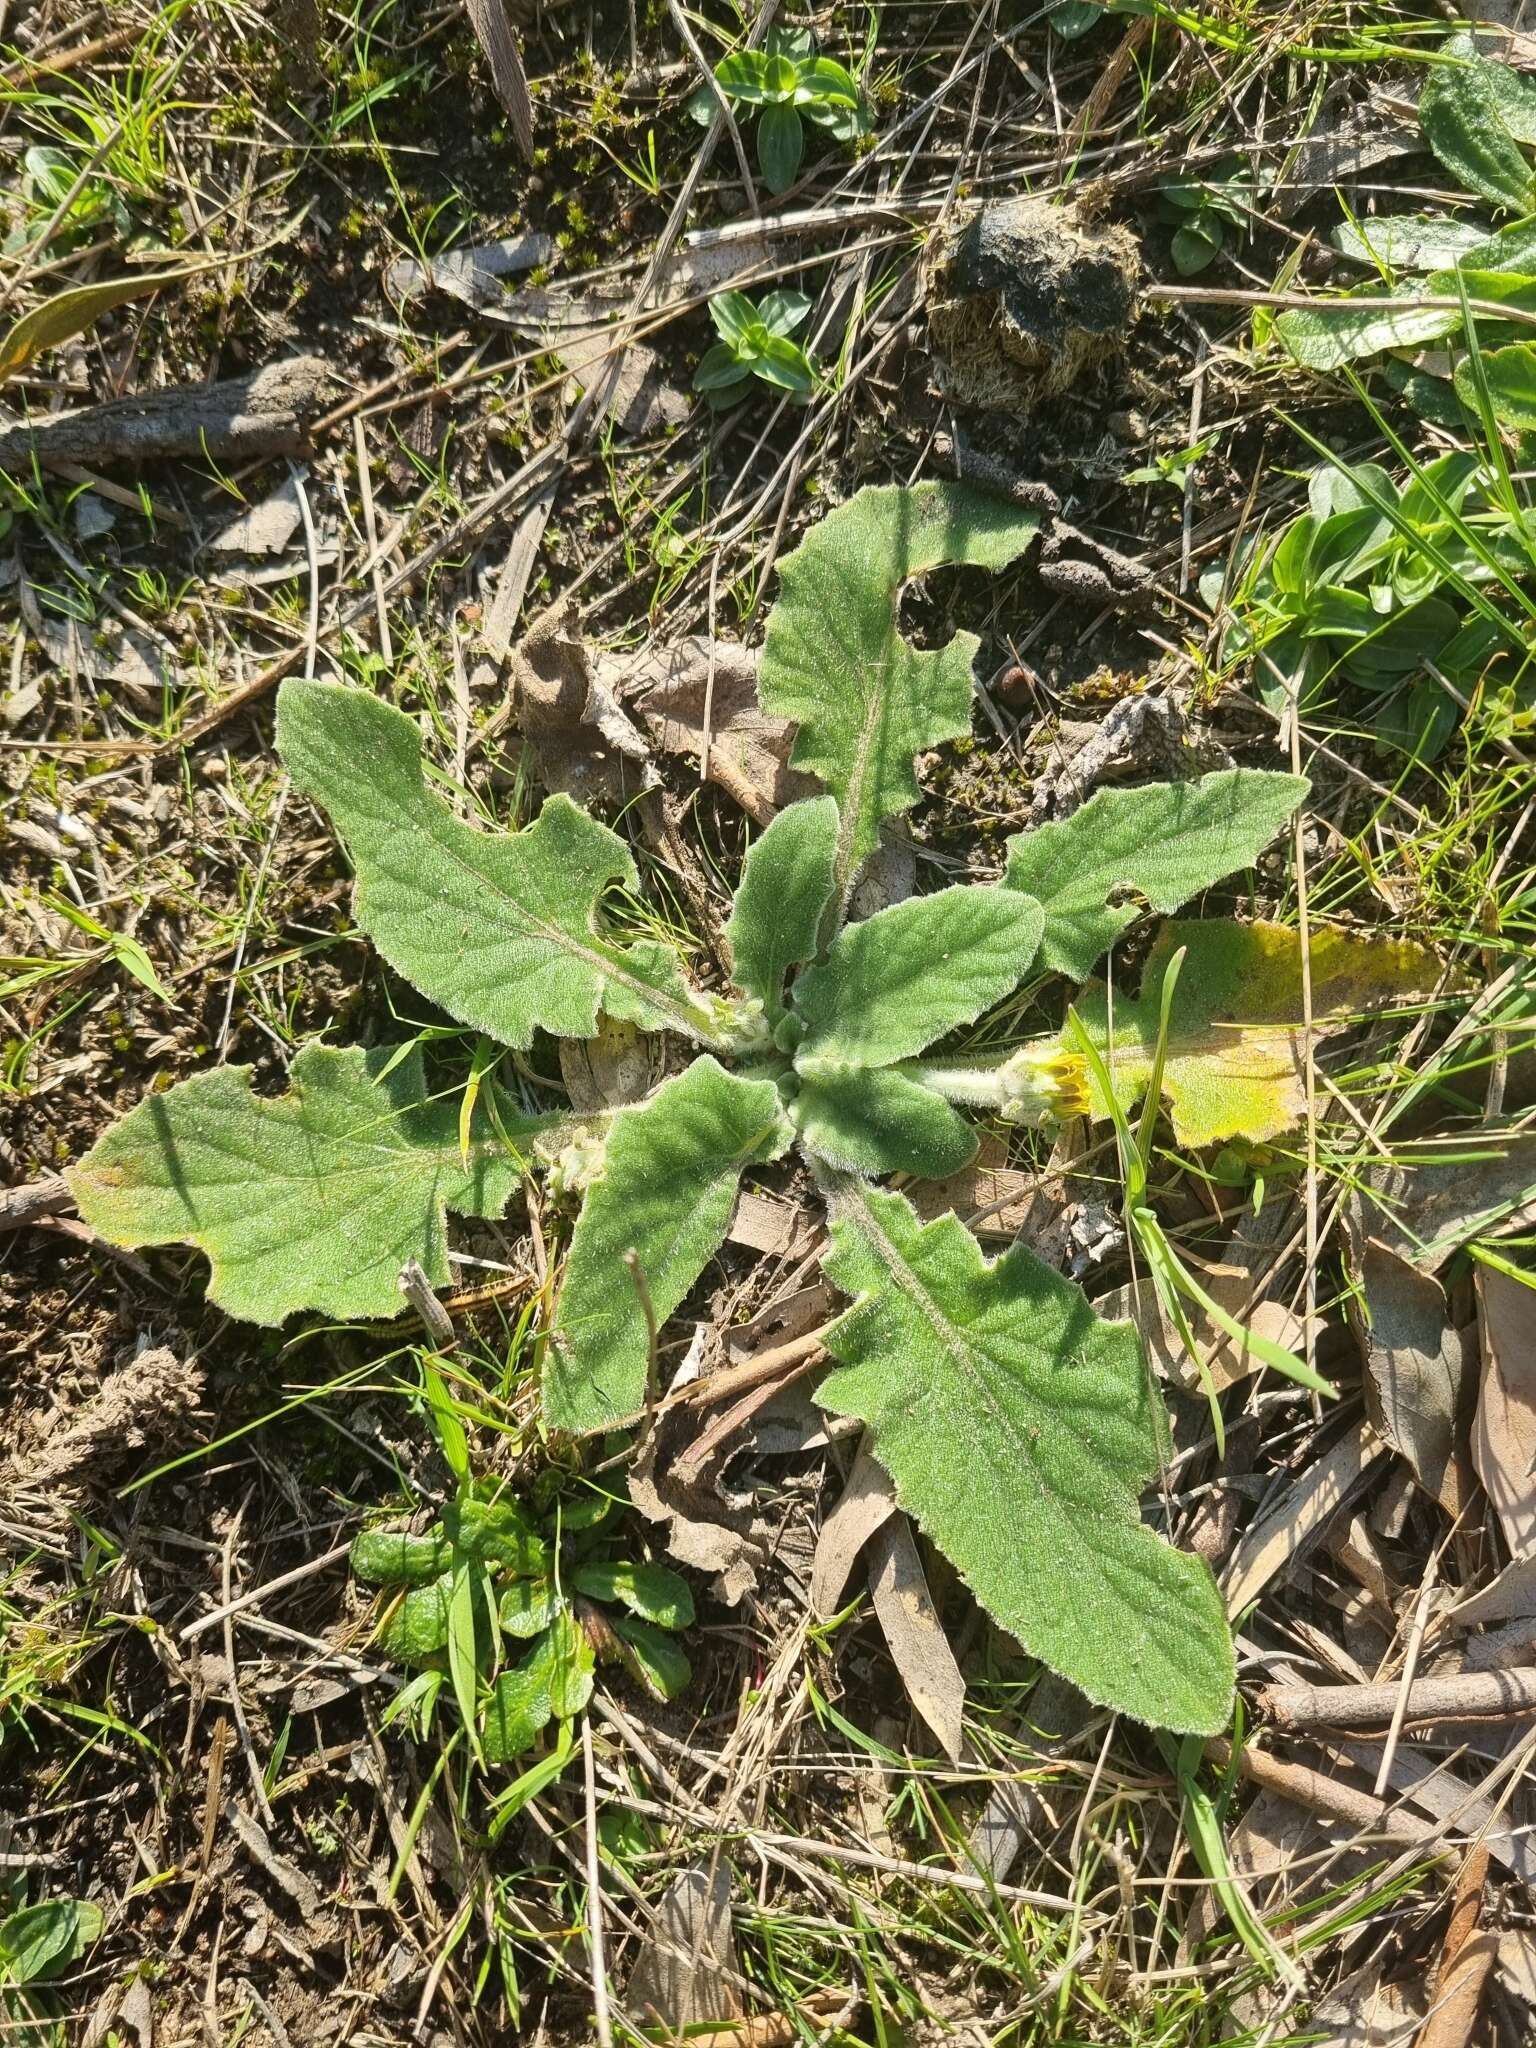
x,y
1504,1433
686,1972
914,1634
1415,1385
865,1504
1429,1212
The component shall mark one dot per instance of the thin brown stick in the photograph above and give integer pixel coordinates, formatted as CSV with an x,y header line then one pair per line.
x,y
1481,1695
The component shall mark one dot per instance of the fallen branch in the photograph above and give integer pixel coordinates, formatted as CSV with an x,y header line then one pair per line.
x,y
268,412
34,1201
1469,1695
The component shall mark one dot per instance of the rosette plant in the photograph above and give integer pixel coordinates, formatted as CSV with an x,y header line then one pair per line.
x,y
1017,1426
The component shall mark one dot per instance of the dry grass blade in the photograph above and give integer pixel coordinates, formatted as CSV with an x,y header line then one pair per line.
x,y
498,40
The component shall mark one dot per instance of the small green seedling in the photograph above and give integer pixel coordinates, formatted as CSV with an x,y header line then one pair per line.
x,y
39,1944
514,1610
1204,214
1401,589
789,84
755,342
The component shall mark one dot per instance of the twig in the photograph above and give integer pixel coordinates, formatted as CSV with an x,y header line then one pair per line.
x,y
1410,1665
600,2019
418,1291
371,529
308,1570
684,28
237,1705
1469,1695
34,1201
1320,1793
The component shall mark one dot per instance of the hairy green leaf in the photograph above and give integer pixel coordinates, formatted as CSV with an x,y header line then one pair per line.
x,y
666,1192
1018,1429
1166,843
1339,331
660,1664
527,1606
571,1664
494,1532
787,881
833,661
902,978
519,1708
873,1120
1511,375
393,1557
500,929
1462,114
1236,1052
40,1940
314,1200
415,1629
1415,241
653,1591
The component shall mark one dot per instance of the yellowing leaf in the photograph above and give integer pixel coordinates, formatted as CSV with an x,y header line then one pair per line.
x,y
67,314
1236,1060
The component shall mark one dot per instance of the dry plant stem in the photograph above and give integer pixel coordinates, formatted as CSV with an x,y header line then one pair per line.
x,y
34,1200
601,2022
309,1570
1410,1665
1320,1793
1470,1695
1211,295
706,71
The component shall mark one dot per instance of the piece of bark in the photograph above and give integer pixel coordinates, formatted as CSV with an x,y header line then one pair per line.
x,y
268,412
1467,1694
1466,1962
34,1200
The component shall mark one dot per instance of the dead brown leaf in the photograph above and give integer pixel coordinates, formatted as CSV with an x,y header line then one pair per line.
x,y
1428,1212
495,36
1466,1962
1504,1433
584,744
865,1504
686,1973
914,1634
1416,1390
748,751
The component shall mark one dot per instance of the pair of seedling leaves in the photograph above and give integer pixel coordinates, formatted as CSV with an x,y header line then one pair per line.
x,y
1017,1426
483,1579
1479,118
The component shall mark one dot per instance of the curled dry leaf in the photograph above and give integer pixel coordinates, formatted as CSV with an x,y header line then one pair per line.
x,y
1416,1389
748,750
1504,1433
585,746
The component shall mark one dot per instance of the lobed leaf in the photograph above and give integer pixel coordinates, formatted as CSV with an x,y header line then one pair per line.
x,y
666,1193
1167,842
787,881
892,984
314,1200
834,662
500,929
1018,1429
874,1120
1236,1056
